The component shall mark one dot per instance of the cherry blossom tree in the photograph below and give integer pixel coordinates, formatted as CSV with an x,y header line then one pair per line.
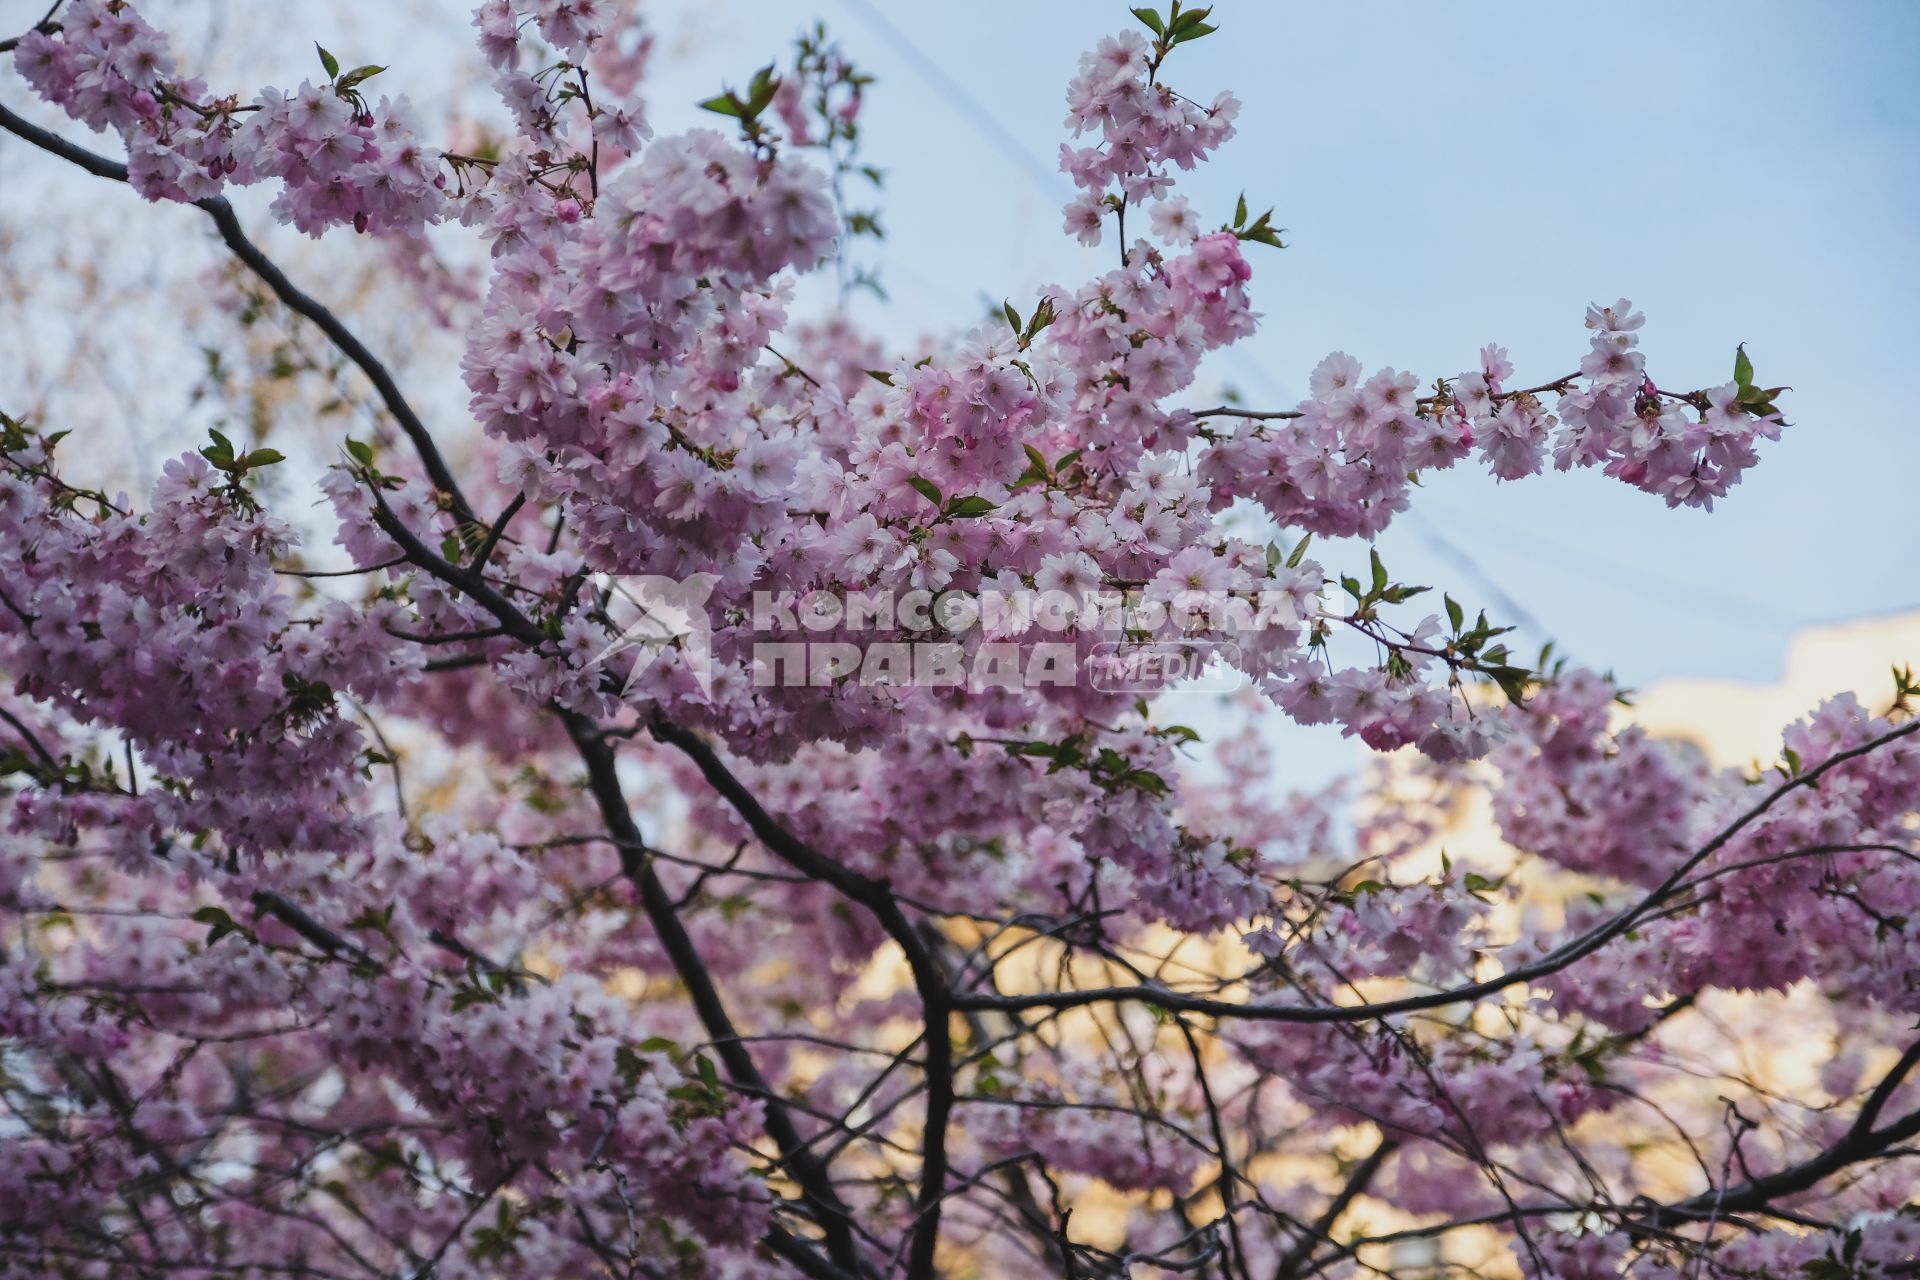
x,y
413,891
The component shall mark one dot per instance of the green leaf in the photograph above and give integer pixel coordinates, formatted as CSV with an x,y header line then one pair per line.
x,y
220,452
1188,20
373,921
1013,317
969,507
926,488
1150,20
1240,211
1263,232
1379,571
360,451
1454,613
263,458
881,376
219,923
1512,682
1742,367
725,104
359,75
761,90
1151,783
1043,315
328,61
1299,551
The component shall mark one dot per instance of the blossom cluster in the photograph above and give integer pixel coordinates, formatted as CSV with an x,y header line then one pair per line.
x,y
1815,867
1343,461
340,160
1144,127
121,619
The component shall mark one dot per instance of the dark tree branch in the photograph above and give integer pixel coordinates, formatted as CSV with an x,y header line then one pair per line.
x,y
928,978
1322,1229
816,1187
1861,1142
